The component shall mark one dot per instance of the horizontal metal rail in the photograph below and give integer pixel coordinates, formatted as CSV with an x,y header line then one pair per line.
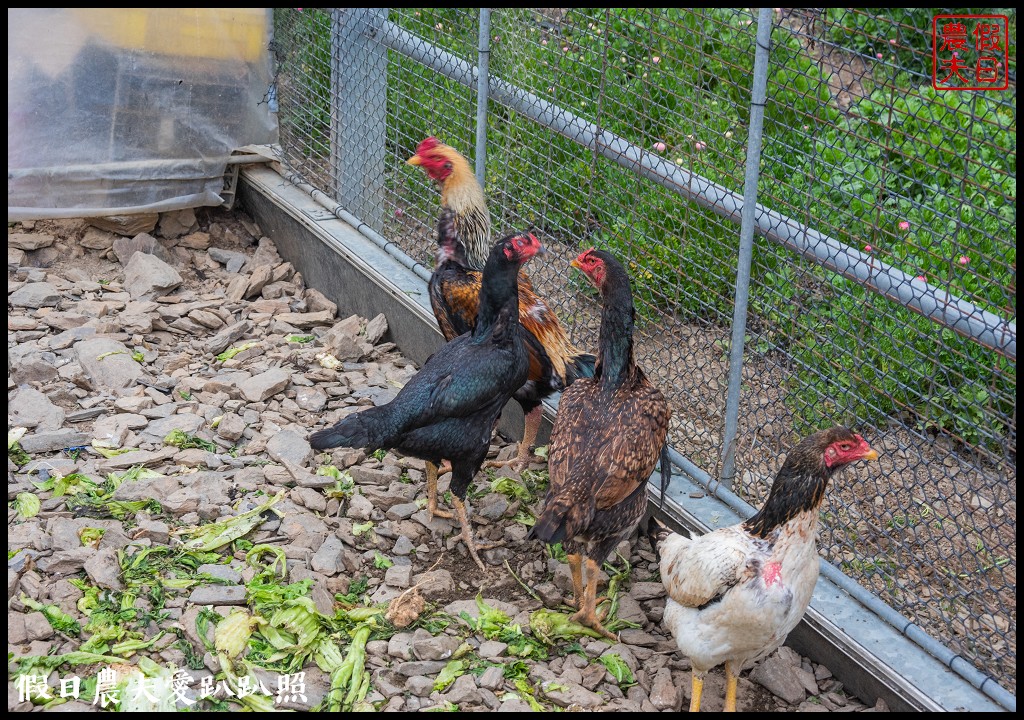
x,y
933,302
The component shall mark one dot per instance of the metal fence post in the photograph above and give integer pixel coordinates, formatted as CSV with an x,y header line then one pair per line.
x,y
482,86
359,112
758,95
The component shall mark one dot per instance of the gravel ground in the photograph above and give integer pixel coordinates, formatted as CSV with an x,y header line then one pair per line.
x,y
114,333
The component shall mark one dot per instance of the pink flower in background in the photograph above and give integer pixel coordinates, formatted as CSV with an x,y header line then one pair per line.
x,y
868,248
904,225
879,55
655,59
699,145
399,212
659,147
892,41
964,260
922,278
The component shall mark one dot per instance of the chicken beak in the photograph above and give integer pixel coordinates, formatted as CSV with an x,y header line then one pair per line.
x,y
414,160
871,454
575,263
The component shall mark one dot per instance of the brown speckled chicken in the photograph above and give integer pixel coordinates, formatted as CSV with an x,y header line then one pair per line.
x,y
463,237
608,436
734,594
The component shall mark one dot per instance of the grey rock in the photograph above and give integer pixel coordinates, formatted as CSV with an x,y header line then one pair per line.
x,y
399,576
29,241
402,511
147,277
37,627
41,442
34,295
665,695
158,532
435,583
403,546
97,239
777,677
420,667
265,385
232,260
388,682
288,446
17,633
305,321
400,645
126,224
157,430
567,694
175,223
332,558
222,572
26,364
431,647
231,426
259,278
359,507
311,399
125,248
218,595
28,407
376,329
493,678
420,686
463,692
373,476
136,457
220,342
147,488
647,591
104,570
108,363
492,650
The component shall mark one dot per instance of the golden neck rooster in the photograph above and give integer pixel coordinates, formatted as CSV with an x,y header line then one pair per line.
x,y
734,594
463,237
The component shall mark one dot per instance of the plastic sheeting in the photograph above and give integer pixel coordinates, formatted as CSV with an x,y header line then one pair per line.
x,y
118,111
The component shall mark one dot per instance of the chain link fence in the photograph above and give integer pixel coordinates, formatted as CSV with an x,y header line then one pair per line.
x,y
881,290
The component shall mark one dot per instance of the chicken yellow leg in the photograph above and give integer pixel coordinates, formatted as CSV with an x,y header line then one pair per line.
x,y
432,509
467,531
587,613
730,688
524,456
696,689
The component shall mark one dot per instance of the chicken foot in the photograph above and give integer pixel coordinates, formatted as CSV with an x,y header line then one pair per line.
x,y
586,596
460,512
524,456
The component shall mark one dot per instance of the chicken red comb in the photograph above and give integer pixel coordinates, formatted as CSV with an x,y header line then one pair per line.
x,y
427,145
585,253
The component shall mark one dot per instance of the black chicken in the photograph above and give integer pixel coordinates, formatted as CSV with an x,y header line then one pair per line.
x,y
449,409
607,438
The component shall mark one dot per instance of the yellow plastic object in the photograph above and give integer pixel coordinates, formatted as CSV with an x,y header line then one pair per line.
x,y
217,33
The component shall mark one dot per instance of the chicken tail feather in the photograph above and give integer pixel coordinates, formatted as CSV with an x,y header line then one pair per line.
x,y
550,526
580,366
367,429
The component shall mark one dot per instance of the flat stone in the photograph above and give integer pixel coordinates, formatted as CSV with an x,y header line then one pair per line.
x,y
265,385
34,295
218,595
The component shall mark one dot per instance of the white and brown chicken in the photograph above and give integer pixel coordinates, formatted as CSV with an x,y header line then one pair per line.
x,y
734,594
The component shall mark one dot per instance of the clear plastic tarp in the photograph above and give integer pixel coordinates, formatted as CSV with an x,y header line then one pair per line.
x,y
114,111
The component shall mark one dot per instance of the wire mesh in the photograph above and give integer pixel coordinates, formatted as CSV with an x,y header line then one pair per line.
x,y
858,145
